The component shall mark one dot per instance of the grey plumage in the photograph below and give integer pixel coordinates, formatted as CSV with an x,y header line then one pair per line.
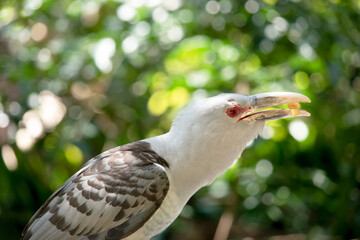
x,y
112,196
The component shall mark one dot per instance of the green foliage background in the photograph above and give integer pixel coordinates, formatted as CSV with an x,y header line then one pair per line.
x,y
120,71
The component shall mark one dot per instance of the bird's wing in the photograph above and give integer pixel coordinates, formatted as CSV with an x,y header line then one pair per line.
x,y
113,195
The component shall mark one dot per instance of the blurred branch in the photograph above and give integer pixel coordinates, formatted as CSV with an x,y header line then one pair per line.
x,y
224,225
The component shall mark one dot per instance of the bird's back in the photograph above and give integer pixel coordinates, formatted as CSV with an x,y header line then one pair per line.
x,y
111,197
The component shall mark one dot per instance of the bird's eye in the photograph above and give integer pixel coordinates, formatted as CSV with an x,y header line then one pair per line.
x,y
233,112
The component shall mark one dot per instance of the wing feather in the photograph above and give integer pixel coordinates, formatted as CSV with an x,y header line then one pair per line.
x,y
111,197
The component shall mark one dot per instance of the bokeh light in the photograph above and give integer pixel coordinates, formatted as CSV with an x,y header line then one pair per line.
x,y
39,31
9,157
264,168
102,54
299,130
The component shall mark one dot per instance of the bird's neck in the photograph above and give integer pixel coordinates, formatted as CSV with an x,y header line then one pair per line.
x,y
197,158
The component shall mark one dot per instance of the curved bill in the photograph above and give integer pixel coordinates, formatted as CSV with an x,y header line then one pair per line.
x,y
271,99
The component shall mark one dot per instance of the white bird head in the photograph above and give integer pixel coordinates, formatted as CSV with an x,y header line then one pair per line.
x,y
214,131
231,111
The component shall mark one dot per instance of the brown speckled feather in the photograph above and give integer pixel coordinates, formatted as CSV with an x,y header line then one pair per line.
x,y
111,197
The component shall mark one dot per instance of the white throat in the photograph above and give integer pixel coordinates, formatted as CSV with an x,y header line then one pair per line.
x,y
197,155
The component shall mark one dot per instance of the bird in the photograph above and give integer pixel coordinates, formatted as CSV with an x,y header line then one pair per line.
x,y
135,191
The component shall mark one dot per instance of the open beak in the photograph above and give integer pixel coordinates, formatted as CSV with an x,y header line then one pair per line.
x,y
271,99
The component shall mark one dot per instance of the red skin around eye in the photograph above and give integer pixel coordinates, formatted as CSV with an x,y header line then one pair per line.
x,y
234,111
238,110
